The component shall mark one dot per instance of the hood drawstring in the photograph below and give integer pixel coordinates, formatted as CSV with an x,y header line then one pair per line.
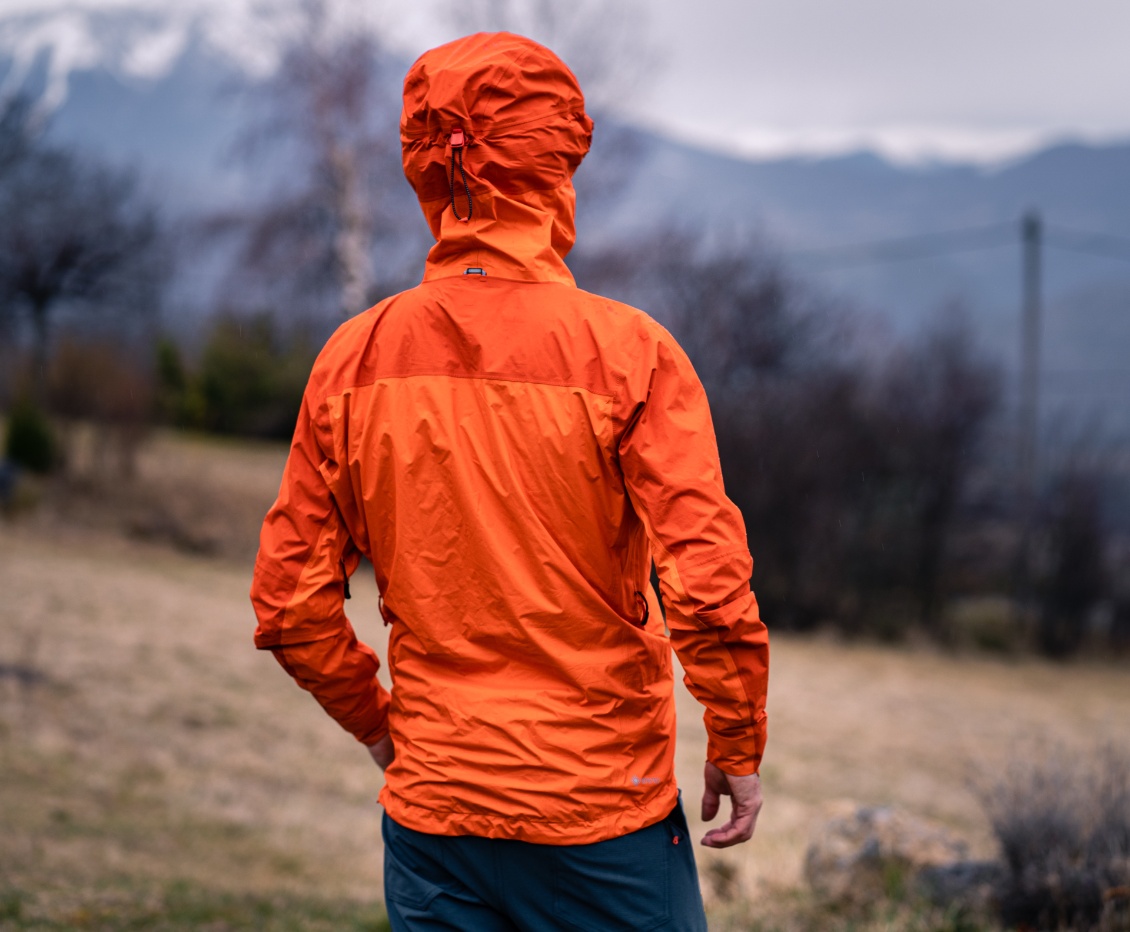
x,y
457,143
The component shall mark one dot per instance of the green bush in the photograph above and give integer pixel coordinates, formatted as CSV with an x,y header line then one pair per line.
x,y
30,441
248,379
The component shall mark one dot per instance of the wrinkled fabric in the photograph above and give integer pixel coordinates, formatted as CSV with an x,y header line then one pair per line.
x,y
512,454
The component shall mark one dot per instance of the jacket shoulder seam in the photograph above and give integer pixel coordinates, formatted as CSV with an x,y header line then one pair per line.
x,y
482,377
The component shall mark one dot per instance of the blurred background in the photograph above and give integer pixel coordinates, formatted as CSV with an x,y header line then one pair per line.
x,y
895,241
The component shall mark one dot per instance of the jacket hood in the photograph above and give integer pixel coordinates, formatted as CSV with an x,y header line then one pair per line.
x,y
520,116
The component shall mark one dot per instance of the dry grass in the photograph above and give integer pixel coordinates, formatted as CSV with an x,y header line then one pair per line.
x,y
197,493
144,742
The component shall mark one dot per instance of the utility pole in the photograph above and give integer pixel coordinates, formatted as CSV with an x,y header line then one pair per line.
x,y
1031,234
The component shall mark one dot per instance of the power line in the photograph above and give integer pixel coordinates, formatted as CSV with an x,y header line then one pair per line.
x,y
1088,373
1103,245
970,239
918,246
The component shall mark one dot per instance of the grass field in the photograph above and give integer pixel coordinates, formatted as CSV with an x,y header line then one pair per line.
x,y
158,772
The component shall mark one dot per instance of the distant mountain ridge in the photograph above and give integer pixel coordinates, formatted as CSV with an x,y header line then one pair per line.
x,y
807,205
169,115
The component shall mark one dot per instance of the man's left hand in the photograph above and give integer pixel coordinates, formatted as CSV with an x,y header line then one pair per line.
x,y
744,793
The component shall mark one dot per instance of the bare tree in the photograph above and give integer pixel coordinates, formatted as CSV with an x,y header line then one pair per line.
x,y
18,133
1075,579
325,123
1074,531
18,130
75,235
928,410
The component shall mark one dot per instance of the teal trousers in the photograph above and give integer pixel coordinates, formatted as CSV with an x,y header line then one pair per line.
x,y
644,881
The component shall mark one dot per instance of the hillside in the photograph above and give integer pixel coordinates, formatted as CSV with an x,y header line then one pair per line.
x,y
153,757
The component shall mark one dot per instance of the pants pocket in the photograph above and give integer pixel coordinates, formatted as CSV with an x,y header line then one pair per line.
x,y
405,867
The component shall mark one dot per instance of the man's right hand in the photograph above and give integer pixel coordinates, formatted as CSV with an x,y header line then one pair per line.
x,y
382,751
745,792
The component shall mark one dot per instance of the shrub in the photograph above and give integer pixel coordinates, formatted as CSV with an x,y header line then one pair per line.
x,y
986,623
1064,832
100,380
1075,580
31,442
251,380
173,387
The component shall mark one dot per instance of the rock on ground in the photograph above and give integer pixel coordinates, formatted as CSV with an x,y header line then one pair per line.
x,y
865,853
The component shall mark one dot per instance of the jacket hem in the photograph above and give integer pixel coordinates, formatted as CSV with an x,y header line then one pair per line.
x,y
575,831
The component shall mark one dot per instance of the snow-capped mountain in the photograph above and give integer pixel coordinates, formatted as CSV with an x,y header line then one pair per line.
x,y
136,41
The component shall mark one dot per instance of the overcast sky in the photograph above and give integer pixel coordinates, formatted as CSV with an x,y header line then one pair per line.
x,y
977,76
971,79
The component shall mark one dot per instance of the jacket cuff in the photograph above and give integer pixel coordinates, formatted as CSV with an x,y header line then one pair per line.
x,y
738,756
373,735
733,763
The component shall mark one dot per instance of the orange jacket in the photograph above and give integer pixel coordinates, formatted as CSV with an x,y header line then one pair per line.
x,y
512,453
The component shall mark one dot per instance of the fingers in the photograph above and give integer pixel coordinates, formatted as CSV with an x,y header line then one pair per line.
x,y
710,803
714,787
734,832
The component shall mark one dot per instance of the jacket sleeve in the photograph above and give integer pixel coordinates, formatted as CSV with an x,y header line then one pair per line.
x,y
669,457
305,557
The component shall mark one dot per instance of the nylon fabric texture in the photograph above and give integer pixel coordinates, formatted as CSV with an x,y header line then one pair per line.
x,y
512,453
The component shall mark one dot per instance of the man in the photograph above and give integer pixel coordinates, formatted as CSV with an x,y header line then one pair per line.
x,y
512,454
